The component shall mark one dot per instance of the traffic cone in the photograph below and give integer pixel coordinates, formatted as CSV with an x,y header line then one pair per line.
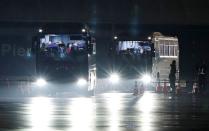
x,y
165,89
178,90
158,88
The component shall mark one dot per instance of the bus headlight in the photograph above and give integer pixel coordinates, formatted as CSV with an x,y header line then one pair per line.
x,y
82,82
114,78
146,78
41,82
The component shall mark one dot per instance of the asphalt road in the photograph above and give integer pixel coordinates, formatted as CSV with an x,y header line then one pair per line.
x,y
105,112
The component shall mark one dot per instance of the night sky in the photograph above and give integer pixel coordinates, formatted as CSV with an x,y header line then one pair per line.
x,y
129,19
183,12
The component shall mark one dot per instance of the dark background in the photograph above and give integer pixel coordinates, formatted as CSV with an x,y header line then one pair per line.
x,y
183,12
128,19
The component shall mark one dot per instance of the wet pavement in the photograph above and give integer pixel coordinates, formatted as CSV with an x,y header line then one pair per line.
x,y
105,112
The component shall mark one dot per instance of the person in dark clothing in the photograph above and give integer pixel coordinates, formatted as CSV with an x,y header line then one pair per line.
x,y
172,76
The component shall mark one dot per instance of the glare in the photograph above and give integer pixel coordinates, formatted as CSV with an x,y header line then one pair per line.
x,y
83,30
146,79
114,105
149,38
147,105
40,30
82,82
114,78
82,112
115,37
40,113
41,82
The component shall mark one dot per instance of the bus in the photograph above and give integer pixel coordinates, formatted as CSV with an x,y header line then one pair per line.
x,y
66,63
57,59
131,61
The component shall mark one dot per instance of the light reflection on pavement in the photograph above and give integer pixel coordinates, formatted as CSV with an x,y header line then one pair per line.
x,y
105,112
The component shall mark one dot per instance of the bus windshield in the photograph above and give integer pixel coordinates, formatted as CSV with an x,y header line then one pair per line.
x,y
134,49
62,47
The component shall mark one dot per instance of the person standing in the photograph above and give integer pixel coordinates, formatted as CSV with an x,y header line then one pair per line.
x,y
172,76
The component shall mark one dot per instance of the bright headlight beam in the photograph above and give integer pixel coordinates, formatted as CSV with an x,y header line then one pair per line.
x,y
41,82
40,30
146,79
114,78
83,30
82,82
